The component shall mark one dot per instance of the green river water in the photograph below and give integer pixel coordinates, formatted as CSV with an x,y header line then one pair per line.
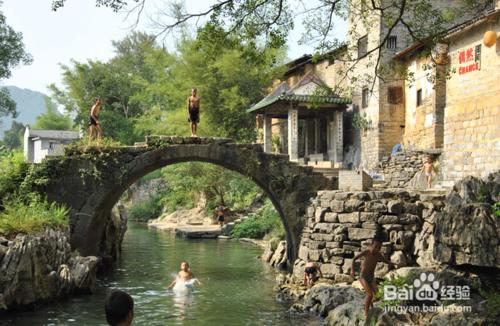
x,y
237,287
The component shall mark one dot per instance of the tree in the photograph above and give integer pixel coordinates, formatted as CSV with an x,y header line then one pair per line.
x,y
52,119
13,138
272,20
12,53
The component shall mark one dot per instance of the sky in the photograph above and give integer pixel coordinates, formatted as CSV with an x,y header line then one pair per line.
x,y
80,31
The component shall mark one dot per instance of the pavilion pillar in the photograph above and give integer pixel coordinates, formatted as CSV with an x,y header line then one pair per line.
x,y
339,141
316,135
293,131
268,143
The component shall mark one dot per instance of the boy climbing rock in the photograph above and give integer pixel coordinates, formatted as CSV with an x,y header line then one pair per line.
x,y
371,256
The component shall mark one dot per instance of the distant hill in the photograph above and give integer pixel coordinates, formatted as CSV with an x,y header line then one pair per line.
x,y
30,104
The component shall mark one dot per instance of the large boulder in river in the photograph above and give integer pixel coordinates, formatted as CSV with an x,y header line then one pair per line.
x,y
39,268
322,298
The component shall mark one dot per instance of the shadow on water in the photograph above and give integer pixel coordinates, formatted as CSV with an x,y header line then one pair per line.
x,y
237,288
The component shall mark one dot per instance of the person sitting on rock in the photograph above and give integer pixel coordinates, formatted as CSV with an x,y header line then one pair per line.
x,y
372,256
310,273
119,308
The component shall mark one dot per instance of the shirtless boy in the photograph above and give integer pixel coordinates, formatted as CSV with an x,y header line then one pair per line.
x,y
94,125
193,106
184,275
372,256
427,169
310,273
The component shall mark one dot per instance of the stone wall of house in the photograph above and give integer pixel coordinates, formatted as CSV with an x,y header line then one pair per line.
x,y
423,123
341,224
399,170
472,113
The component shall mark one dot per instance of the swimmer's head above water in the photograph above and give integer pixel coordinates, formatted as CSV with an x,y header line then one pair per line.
x,y
184,266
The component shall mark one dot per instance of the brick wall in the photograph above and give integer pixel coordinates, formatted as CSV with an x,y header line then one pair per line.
x,y
472,113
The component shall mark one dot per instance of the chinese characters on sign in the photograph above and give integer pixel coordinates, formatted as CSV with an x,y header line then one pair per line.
x,y
469,59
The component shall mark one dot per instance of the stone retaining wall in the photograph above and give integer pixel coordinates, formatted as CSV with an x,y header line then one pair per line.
x,y
341,224
399,169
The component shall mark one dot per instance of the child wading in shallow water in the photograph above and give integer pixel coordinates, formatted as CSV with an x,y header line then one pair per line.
x,y
372,256
184,276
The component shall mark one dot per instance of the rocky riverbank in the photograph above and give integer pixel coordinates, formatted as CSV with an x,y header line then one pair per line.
x,y
452,238
41,268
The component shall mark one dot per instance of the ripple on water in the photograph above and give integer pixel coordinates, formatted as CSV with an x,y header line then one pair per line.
x,y
237,288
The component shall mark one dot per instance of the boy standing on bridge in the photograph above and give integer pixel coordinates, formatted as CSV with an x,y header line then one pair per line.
x,y
193,106
94,125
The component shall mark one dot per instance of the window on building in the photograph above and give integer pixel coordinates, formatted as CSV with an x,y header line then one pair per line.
x,y
365,97
419,97
391,42
395,95
362,46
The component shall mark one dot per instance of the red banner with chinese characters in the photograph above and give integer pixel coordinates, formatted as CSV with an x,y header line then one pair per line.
x,y
469,59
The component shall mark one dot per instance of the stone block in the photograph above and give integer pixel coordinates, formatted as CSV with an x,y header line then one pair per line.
x,y
386,248
331,218
310,211
353,205
330,270
388,219
370,225
314,255
409,219
398,258
340,229
342,196
337,206
375,206
392,227
304,253
360,234
395,207
337,260
324,227
368,216
340,237
320,214
317,244
349,217
335,248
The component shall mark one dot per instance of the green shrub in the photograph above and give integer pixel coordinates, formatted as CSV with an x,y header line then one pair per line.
x,y
31,215
496,209
399,282
147,209
263,222
492,301
13,170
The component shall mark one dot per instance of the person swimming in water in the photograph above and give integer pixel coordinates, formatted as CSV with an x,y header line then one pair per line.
x,y
184,277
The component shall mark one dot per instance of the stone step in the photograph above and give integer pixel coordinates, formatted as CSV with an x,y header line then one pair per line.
x,y
321,164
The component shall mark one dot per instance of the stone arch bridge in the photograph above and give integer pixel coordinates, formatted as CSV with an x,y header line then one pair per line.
x,y
90,182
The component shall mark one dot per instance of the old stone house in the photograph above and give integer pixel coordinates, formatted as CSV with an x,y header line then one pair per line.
x,y
39,144
453,103
457,115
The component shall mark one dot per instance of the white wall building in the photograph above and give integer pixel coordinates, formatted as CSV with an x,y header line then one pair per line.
x,y
41,143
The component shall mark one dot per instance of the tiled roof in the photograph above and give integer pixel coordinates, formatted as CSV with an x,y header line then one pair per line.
x,y
299,98
296,94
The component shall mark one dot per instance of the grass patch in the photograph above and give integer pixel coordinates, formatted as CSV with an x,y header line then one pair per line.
x,y
265,221
31,216
147,209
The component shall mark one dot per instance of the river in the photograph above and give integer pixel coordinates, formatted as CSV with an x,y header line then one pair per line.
x,y
236,287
